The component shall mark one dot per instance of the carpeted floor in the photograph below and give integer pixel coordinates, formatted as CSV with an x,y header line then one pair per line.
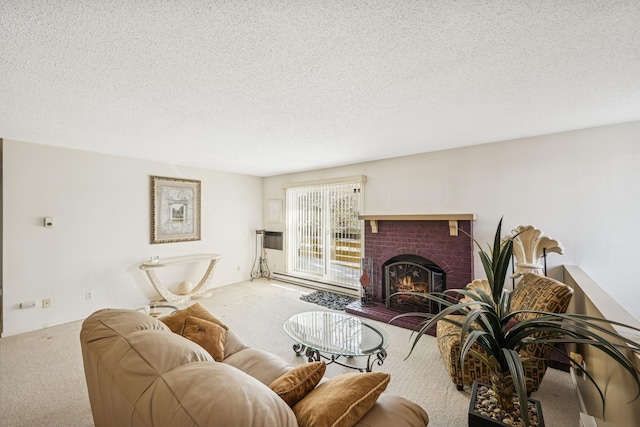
x,y
42,378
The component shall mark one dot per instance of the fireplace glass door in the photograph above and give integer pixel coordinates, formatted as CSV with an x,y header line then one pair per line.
x,y
416,275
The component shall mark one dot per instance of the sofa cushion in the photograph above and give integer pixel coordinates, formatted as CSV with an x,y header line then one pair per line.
x,y
212,394
232,344
390,410
206,334
175,322
264,366
298,382
341,401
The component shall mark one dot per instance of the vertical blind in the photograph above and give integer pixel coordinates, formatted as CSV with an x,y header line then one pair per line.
x,y
324,240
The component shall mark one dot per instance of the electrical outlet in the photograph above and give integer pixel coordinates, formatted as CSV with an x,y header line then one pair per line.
x,y
28,304
89,295
46,303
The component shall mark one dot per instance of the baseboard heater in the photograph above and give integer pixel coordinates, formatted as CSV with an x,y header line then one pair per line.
x,y
308,283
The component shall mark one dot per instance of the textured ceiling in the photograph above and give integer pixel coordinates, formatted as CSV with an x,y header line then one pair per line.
x,y
269,87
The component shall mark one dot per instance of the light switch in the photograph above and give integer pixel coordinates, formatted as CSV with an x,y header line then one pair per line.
x,y
48,222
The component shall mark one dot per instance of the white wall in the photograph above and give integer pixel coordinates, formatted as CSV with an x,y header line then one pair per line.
x,y
580,187
101,206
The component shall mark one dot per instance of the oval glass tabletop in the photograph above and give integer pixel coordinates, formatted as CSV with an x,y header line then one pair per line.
x,y
336,333
159,310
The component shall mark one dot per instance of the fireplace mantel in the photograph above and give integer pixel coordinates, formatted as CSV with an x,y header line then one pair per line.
x,y
452,218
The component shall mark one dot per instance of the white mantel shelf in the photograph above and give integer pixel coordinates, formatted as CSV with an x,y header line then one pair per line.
x,y
452,218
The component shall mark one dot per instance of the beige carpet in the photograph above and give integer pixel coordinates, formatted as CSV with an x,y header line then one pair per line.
x,y
42,379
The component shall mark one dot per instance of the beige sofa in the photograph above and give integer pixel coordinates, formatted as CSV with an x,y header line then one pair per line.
x,y
139,373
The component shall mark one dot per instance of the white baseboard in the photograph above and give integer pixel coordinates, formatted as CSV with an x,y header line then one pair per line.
x,y
587,420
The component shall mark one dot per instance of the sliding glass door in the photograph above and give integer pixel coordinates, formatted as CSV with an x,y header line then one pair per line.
x,y
324,239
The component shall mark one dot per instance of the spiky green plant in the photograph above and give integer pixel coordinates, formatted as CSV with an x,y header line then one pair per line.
x,y
495,260
485,326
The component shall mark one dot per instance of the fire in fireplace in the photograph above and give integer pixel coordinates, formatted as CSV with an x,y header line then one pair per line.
x,y
412,273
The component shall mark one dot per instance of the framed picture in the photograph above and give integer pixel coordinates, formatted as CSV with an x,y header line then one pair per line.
x,y
274,212
175,210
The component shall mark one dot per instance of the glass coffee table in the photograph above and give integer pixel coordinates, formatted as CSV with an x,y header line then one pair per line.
x,y
159,310
331,336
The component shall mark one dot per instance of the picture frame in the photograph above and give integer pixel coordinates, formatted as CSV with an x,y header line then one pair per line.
x,y
274,211
175,210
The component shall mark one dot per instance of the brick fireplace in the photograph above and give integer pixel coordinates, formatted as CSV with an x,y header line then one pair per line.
x,y
434,238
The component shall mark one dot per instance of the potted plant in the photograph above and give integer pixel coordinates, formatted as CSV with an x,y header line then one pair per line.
x,y
496,261
487,323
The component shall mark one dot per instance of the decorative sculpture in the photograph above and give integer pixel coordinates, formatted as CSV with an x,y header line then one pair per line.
x,y
530,246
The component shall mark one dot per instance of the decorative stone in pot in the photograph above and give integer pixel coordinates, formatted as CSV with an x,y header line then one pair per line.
x,y
483,412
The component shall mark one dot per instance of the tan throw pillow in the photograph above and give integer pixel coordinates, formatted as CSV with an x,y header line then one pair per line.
x,y
341,401
175,322
295,384
207,335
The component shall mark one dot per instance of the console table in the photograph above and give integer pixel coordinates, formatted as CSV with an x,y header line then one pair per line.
x,y
201,290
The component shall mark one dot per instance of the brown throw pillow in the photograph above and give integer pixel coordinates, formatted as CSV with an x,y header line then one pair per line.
x,y
175,322
207,335
341,401
295,384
